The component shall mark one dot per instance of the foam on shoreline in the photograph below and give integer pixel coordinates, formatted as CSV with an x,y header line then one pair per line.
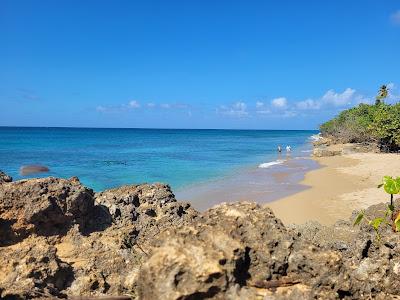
x,y
271,163
264,183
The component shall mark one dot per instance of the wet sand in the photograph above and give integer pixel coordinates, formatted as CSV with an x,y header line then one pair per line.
x,y
342,184
261,185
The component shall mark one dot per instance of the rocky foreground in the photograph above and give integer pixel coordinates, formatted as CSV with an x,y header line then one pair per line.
x,y
60,239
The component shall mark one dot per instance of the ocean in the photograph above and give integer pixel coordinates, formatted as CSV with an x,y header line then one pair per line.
x,y
107,158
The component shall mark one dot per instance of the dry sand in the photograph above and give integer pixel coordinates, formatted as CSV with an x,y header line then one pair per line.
x,y
342,184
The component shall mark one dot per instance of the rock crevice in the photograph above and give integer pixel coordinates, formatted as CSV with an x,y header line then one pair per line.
x,y
60,239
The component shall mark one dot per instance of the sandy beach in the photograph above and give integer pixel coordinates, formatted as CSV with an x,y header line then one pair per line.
x,y
342,184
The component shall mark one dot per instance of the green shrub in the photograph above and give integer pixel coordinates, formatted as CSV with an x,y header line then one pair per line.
x,y
386,126
391,217
367,123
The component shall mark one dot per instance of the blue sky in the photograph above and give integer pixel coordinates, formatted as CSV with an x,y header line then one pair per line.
x,y
194,64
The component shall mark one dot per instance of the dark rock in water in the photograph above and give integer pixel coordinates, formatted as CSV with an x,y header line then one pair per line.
x,y
27,170
4,177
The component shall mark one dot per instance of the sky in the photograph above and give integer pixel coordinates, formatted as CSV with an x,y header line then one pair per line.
x,y
194,64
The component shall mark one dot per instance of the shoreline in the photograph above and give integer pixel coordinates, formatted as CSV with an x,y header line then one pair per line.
x,y
255,184
344,183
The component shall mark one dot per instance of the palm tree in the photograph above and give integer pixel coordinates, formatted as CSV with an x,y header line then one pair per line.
x,y
382,94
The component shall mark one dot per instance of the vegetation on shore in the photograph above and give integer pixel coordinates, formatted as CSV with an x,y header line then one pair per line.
x,y
379,123
391,216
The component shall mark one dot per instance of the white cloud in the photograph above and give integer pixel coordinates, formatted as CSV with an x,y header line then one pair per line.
x,y
393,92
238,109
361,99
308,104
338,99
101,108
280,102
289,114
262,109
259,104
134,104
395,17
263,112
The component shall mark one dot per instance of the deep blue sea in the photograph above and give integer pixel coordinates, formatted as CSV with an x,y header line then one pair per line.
x,y
106,158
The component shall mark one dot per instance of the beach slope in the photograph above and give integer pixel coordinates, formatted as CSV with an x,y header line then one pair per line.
x,y
343,183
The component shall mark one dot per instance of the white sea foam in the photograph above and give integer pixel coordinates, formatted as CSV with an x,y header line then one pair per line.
x,y
271,163
315,137
306,151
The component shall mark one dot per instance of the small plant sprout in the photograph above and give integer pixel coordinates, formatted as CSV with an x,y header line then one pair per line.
x,y
391,186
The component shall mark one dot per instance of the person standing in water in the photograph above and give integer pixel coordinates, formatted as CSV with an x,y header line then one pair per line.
x,y
279,149
288,148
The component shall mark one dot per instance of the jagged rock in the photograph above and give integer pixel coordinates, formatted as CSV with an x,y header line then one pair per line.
x,y
32,269
112,257
58,239
323,141
4,177
75,232
232,244
241,251
324,152
150,207
47,206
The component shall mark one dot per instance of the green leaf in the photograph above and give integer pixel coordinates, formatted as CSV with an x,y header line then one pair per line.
x,y
390,185
375,223
359,218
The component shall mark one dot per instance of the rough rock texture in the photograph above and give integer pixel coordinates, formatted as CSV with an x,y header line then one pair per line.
x,y
59,239
47,206
328,147
236,251
324,152
32,269
215,254
241,251
4,177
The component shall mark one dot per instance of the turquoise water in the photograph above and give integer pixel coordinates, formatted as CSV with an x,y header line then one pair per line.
x,y
106,158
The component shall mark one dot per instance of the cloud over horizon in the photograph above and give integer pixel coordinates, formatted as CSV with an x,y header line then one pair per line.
x,y
238,109
135,105
280,107
280,102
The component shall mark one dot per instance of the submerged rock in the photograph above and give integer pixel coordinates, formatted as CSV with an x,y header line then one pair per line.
x,y
4,177
33,169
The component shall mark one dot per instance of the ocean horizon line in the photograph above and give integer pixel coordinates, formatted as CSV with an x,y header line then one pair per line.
x,y
157,128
